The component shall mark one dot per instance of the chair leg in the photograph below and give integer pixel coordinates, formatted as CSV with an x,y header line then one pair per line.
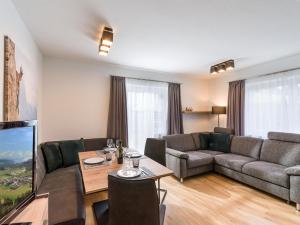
x,y
181,180
164,195
298,206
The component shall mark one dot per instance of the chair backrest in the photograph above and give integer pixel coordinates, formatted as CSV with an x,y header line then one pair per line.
x,y
156,149
133,202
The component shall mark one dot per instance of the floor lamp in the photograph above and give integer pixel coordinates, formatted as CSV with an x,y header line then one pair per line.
x,y
218,110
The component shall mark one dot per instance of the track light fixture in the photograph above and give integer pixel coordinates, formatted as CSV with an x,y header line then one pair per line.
x,y
222,67
106,41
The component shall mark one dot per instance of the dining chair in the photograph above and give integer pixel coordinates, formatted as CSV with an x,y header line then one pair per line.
x,y
155,149
130,202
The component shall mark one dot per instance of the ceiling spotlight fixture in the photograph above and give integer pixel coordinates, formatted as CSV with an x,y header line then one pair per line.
x,y
213,70
106,41
222,67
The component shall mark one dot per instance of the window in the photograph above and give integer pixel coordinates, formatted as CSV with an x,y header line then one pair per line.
x,y
147,105
272,103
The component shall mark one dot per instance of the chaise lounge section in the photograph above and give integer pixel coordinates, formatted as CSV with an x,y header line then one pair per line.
x,y
271,165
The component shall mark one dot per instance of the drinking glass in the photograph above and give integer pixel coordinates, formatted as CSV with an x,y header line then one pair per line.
x,y
108,156
136,162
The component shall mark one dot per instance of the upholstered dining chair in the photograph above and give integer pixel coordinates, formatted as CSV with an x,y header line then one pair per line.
x,y
156,149
130,202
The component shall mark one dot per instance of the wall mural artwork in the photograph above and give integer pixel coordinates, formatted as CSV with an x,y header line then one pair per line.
x,y
12,79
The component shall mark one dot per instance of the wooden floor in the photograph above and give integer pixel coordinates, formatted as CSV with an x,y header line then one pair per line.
x,y
214,199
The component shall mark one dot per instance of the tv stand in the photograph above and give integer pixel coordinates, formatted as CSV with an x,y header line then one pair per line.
x,y
35,213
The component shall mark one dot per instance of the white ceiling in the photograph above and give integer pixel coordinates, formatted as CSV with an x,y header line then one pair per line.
x,y
180,36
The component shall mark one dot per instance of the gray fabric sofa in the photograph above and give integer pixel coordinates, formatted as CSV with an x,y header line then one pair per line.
x,y
65,189
271,165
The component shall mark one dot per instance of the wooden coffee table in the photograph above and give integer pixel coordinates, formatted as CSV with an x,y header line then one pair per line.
x,y
95,178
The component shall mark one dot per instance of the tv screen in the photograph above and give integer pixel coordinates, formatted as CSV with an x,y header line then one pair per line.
x,y
17,150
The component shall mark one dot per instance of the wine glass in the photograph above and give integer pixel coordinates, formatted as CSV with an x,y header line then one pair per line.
x,y
109,143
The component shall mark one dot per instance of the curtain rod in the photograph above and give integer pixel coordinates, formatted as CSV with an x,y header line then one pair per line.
x,y
281,71
152,80
269,74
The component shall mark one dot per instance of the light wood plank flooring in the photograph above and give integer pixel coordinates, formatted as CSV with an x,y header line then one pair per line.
x,y
216,200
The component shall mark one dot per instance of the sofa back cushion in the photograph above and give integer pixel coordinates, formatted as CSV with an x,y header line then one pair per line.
x,y
281,148
196,139
70,150
180,142
246,146
52,156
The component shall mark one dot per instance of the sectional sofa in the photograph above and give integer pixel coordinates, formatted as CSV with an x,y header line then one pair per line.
x,y
64,186
271,165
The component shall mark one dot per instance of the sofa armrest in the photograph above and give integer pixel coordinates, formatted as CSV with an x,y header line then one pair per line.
x,y
293,171
176,153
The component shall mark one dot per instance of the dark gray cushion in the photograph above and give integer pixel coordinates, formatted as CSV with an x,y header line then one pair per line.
x,y
197,159
204,140
233,161
181,142
210,152
70,150
219,142
288,137
270,172
247,146
280,152
52,156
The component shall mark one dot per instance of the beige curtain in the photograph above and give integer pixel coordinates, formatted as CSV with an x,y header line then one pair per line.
x,y
236,107
117,126
175,124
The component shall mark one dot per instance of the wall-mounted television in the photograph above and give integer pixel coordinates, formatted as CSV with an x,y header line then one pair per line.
x,y
17,167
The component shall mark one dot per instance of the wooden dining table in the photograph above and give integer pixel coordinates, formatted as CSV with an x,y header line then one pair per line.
x,y
95,178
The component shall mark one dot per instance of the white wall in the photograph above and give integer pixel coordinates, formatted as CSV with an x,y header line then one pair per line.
x,y
76,97
27,55
218,87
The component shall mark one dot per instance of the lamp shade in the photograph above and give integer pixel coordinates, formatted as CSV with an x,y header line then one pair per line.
x,y
218,110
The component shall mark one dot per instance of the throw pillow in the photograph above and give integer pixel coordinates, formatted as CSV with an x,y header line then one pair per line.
x,y
52,156
219,142
70,150
204,140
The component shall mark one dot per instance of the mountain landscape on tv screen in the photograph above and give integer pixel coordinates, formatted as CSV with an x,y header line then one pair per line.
x,y
15,167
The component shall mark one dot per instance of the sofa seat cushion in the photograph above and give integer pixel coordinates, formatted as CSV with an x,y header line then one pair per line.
x,y
66,202
233,161
197,159
63,178
271,172
66,207
211,152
